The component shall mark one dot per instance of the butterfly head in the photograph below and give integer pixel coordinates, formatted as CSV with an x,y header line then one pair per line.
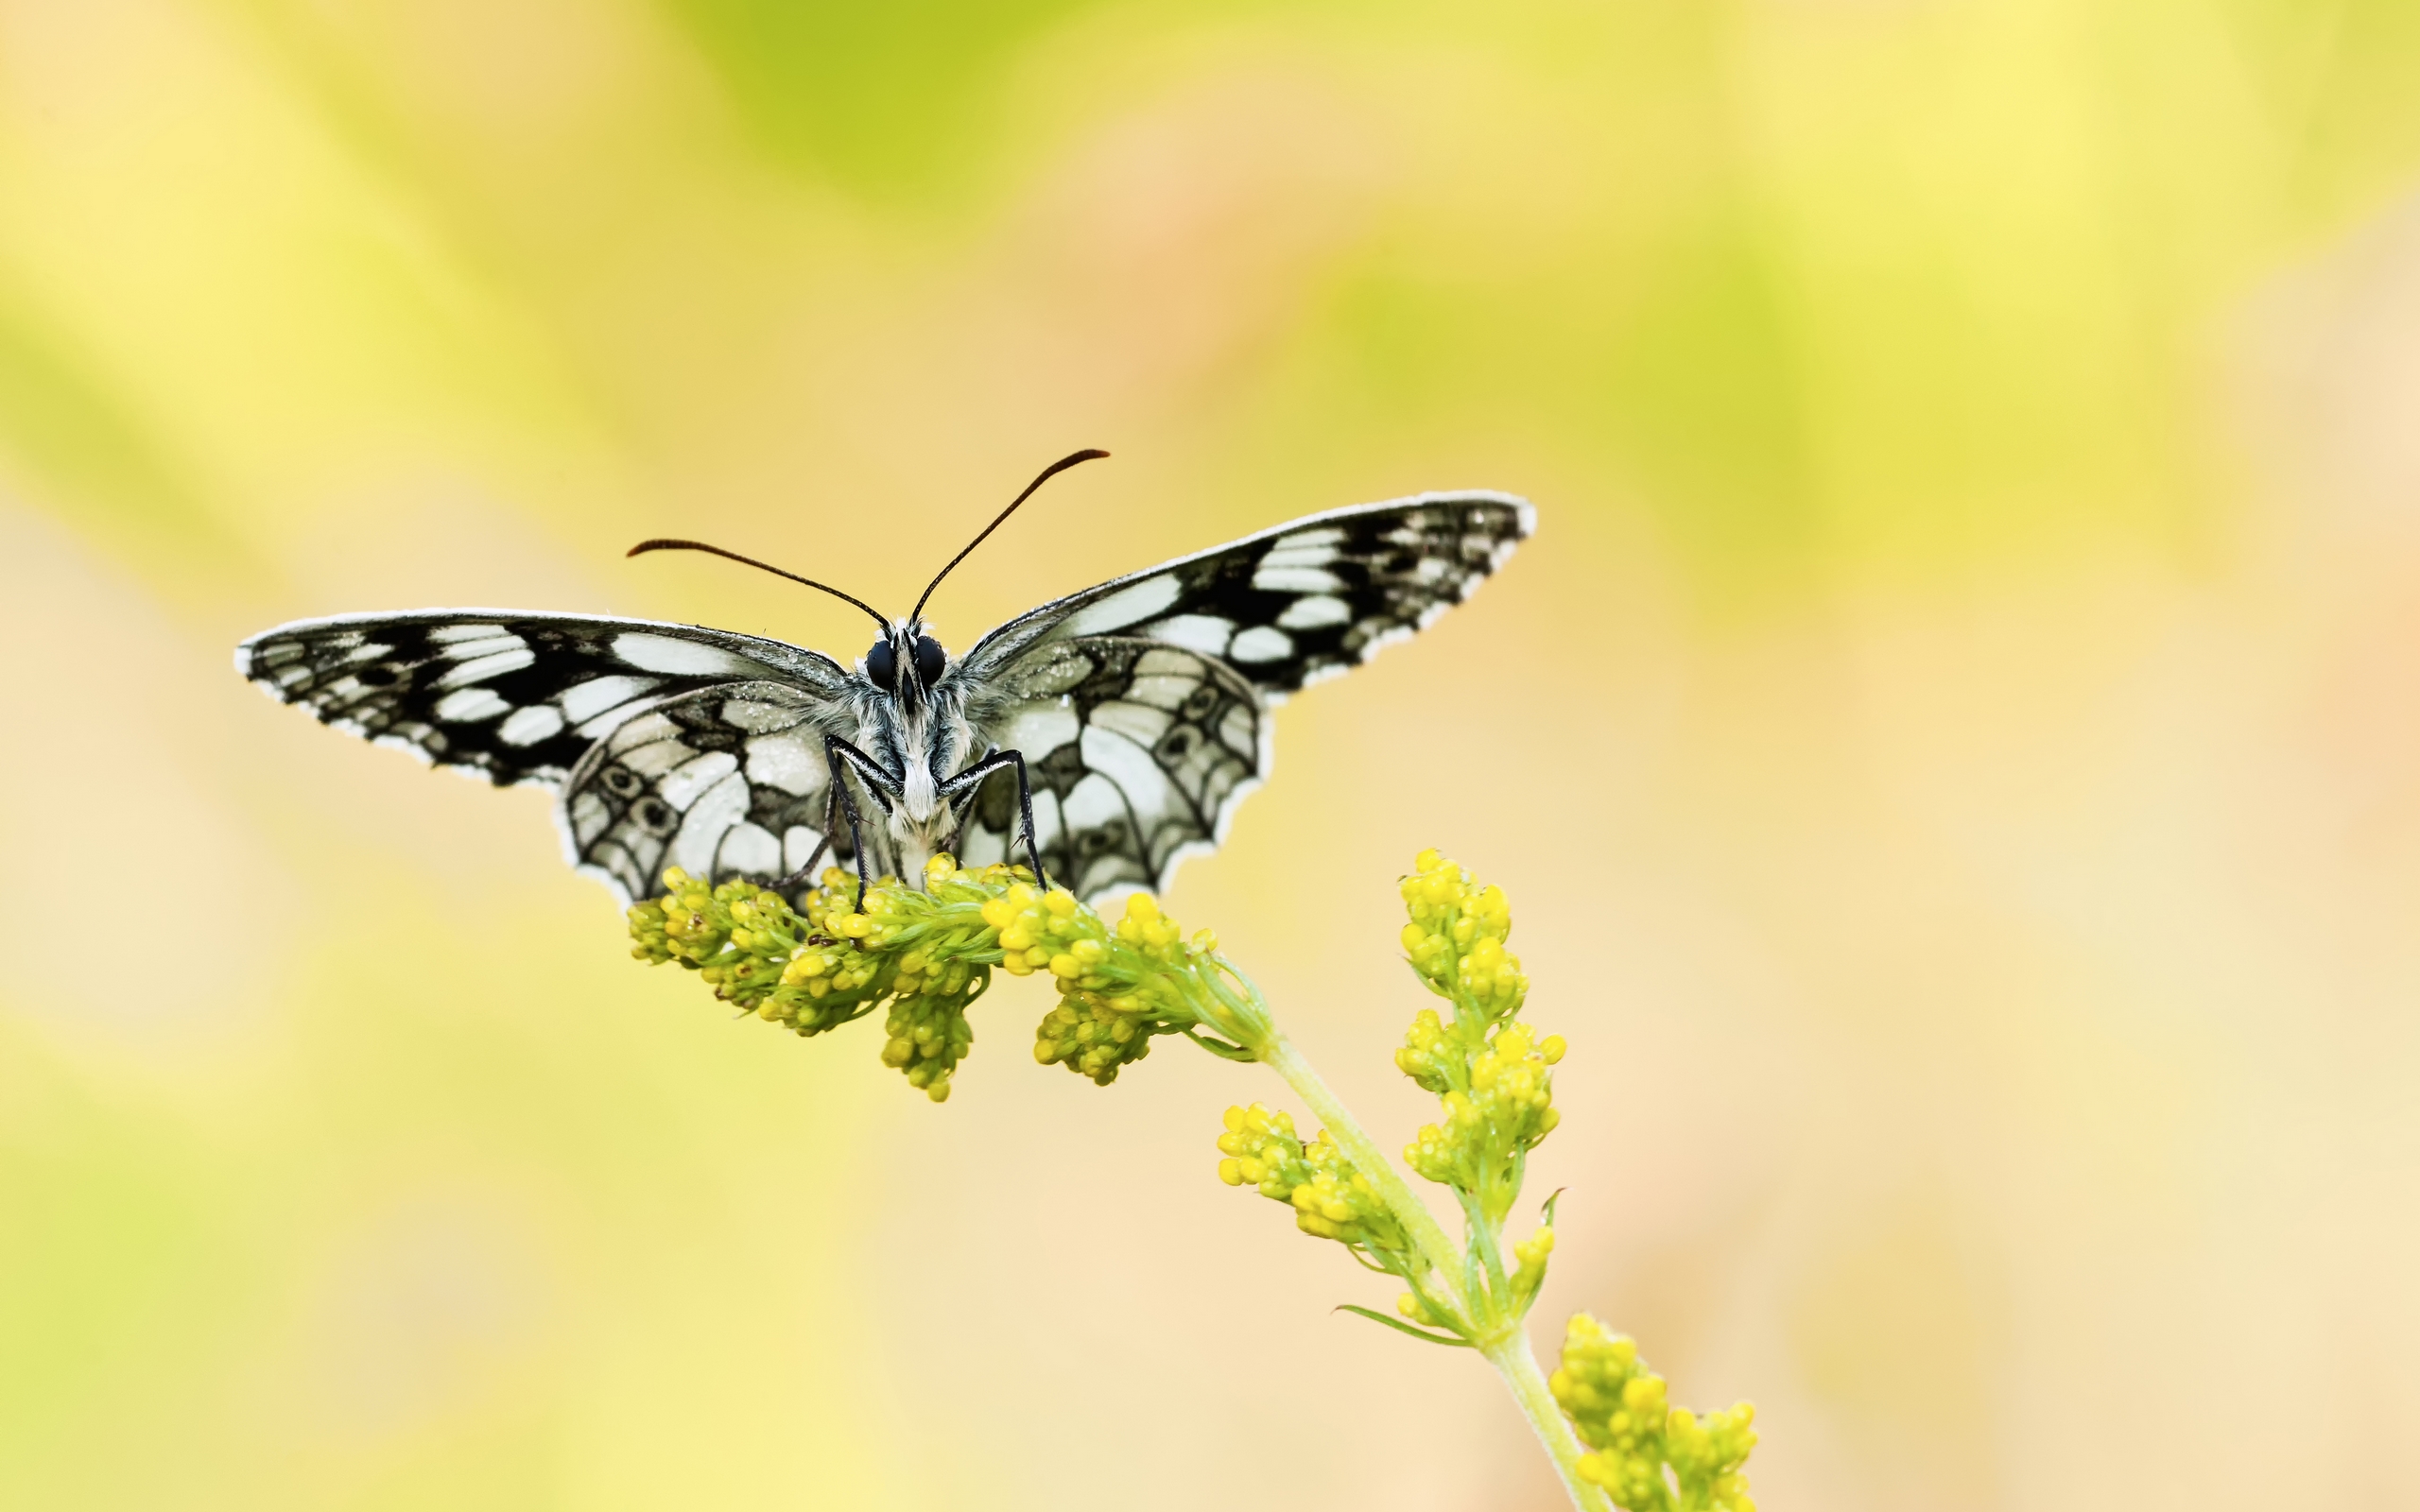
x,y
905,662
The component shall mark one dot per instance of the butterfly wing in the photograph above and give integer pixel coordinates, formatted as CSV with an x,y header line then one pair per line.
x,y
1293,605
637,724
1137,754
1141,706
725,781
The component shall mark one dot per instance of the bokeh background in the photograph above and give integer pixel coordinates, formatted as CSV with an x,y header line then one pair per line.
x,y
1954,745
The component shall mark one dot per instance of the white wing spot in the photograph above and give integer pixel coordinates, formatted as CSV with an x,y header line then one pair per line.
x,y
466,705
1157,663
1205,633
1320,536
1164,691
531,725
1262,642
1094,801
662,653
1237,731
584,701
1297,557
588,816
759,716
1312,613
750,847
1128,605
1138,722
449,634
785,761
484,645
681,785
650,746
1037,732
715,811
482,669
1296,580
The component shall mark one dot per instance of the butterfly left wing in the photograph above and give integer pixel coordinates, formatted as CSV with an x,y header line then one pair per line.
x,y
1291,606
1142,705
1137,754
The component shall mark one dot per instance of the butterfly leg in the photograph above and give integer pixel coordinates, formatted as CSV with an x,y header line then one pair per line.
x,y
967,782
840,758
830,816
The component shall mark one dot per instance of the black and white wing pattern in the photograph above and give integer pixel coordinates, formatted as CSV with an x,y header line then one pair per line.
x,y
640,726
1293,605
725,781
1142,705
1136,754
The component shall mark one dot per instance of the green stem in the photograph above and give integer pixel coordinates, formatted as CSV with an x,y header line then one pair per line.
x,y
1519,1368
1508,1350
1440,1251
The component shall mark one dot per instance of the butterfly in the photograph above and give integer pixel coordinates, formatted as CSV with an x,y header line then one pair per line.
x,y
1106,735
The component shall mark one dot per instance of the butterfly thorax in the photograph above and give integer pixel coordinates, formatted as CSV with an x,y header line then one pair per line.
x,y
920,734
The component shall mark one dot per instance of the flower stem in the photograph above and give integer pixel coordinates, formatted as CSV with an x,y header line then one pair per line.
x,y
1439,1250
1509,1348
1513,1361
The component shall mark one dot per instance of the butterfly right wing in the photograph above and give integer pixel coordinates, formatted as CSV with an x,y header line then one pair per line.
x,y
728,781
510,696
642,726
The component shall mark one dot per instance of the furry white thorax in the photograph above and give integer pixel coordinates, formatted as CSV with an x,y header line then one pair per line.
x,y
921,735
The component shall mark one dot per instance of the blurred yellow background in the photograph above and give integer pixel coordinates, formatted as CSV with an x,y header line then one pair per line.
x,y
1954,745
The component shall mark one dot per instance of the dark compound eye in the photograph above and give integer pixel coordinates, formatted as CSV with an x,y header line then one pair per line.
x,y
882,666
930,660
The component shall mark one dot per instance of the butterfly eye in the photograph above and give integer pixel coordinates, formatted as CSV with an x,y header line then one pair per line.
x,y
882,666
930,660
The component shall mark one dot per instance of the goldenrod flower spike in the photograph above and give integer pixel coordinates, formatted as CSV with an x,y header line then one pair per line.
x,y
1620,1410
925,956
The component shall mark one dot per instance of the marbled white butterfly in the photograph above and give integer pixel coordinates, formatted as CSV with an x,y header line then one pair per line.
x,y
1108,734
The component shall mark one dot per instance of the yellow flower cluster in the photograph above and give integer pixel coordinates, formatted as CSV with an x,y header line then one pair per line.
x,y
928,953
1456,939
747,943
1118,985
1489,1071
1529,1267
1329,1198
1619,1408
926,1033
1507,1110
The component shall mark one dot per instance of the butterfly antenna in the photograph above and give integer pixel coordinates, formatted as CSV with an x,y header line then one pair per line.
x,y
1087,454
667,543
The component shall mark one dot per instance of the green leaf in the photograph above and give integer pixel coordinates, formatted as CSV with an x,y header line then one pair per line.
x,y
1401,1327
1217,1047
